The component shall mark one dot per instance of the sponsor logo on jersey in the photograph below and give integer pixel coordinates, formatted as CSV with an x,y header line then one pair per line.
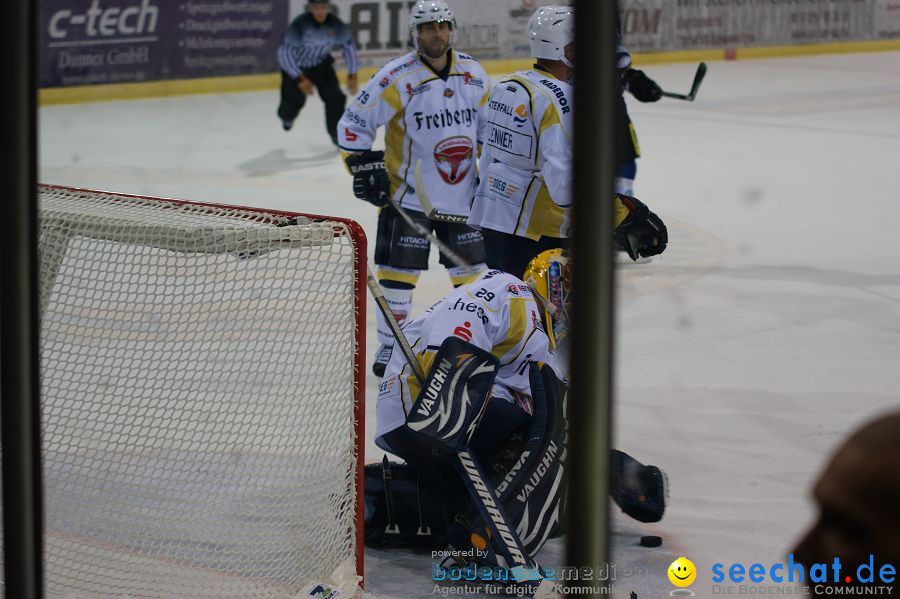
x,y
387,384
350,136
384,82
505,188
464,332
420,89
469,79
521,116
518,289
448,93
402,67
461,117
352,116
453,158
469,307
499,106
559,93
409,90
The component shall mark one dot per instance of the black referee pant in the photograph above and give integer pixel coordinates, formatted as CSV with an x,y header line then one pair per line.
x,y
325,80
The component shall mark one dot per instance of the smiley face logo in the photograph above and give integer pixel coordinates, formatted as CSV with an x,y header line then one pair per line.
x,y
682,572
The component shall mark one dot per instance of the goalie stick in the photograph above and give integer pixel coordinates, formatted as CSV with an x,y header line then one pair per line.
x,y
399,337
427,206
695,86
447,412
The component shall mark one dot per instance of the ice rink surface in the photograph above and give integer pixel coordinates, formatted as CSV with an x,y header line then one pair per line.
x,y
767,331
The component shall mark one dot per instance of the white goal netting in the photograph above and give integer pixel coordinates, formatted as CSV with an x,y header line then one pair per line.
x,y
199,399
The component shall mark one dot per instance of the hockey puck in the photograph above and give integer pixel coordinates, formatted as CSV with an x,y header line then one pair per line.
x,y
651,541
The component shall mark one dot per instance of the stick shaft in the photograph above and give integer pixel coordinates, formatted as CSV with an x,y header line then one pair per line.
x,y
400,338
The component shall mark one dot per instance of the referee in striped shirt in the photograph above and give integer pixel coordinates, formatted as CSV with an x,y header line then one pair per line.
x,y
305,60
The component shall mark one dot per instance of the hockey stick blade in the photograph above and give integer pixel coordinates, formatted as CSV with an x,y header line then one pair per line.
x,y
425,201
695,86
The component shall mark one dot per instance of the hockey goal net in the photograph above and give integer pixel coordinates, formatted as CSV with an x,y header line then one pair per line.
x,y
202,399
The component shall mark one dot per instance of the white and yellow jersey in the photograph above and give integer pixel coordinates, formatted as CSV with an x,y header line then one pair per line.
x,y
426,119
496,312
526,161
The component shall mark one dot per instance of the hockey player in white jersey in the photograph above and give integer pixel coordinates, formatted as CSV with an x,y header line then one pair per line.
x,y
523,203
520,436
430,102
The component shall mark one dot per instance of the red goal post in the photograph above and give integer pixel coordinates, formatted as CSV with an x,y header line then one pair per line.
x,y
203,396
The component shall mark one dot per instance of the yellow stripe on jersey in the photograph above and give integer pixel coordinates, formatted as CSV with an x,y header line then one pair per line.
x,y
549,118
551,216
395,132
516,332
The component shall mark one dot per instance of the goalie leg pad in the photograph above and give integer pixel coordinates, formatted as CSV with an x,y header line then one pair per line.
x,y
454,395
532,494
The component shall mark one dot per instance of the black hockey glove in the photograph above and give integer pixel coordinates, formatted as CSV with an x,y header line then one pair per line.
x,y
642,233
641,87
370,179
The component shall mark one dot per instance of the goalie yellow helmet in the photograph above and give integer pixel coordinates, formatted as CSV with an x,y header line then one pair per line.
x,y
549,277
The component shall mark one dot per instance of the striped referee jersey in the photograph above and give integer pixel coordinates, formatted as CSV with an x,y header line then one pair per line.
x,y
307,43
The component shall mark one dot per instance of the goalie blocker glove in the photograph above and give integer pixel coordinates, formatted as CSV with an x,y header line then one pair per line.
x,y
370,178
641,87
641,233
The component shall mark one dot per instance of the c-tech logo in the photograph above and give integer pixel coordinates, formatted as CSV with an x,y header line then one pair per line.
x,y
827,579
98,22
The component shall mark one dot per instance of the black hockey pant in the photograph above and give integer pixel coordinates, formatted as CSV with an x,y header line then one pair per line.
x,y
325,80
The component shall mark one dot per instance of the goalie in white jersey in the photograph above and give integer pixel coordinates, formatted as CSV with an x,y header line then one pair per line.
x,y
520,436
430,103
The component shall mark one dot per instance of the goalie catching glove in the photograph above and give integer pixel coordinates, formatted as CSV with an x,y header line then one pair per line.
x,y
639,232
370,178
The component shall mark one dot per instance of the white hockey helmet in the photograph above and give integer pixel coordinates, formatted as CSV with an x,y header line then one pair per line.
x,y
550,30
430,11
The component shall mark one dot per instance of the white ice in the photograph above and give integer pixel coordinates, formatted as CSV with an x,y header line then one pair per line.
x,y
767,331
